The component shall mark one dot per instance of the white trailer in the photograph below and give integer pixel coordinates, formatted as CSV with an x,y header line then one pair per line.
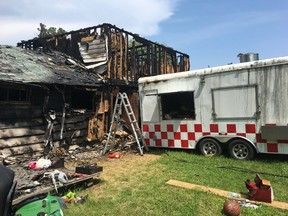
x,y
241,108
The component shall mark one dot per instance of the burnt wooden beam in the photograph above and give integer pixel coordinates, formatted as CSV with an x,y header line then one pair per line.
x,y
102,26
21,141
126,44
148,60
133,59
164,61
159,62
120,71
21,132
18,123
107,31
20,150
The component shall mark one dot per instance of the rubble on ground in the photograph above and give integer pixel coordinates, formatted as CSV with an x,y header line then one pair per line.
x,y
32,179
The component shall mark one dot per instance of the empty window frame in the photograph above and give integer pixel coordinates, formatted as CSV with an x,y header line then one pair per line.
x,y
82,99
14,95
178,105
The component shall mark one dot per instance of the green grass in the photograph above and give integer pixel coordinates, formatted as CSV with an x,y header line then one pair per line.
x,y
143,191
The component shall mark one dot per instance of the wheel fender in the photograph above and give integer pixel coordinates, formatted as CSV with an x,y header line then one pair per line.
x,y
205,137
247,140
226,140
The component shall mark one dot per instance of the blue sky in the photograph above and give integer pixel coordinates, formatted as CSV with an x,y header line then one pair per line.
x,y
212,32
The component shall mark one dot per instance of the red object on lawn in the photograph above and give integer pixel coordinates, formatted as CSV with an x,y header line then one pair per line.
x,y
115,155
261,190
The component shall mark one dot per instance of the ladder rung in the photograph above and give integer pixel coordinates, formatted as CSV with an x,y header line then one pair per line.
x,y
122,99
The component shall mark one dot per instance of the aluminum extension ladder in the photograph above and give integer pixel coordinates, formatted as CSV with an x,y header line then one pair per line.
x,y
122,99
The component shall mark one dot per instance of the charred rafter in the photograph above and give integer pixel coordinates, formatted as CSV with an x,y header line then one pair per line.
x,y
129,56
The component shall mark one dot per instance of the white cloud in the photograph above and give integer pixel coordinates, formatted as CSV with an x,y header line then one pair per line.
x,y
138,16
15,30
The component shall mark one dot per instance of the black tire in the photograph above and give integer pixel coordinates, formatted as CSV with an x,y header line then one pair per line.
x,y
210,147
241,150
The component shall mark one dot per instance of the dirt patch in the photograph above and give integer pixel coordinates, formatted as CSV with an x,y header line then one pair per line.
x,y
130,162
120,174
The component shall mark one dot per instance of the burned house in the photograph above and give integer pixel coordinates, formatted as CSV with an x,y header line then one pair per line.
x,y
62,88
45,99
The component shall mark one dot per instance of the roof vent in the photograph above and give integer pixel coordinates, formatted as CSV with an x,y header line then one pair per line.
x,y
247,57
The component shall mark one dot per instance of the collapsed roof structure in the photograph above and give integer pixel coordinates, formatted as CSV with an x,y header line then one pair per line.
x,y
121,55
61,89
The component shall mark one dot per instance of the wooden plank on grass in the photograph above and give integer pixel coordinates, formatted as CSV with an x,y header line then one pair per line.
x,y
224,193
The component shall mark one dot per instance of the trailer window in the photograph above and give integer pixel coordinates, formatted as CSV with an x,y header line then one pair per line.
x,y
178,105
235,102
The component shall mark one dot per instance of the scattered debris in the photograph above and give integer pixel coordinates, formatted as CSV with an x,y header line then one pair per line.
x,y
246,203
111,155
58,178
72,197
223,193
40,164
62,166
261,190
89,169
233,194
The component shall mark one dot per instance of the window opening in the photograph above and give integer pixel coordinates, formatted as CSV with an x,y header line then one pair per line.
x,y
82,99
178,105
14,95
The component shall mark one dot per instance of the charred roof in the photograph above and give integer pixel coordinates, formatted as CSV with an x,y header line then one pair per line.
x,y
120,56
39,67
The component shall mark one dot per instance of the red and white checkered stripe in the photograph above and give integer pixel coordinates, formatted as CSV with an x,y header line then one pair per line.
x,y
185,135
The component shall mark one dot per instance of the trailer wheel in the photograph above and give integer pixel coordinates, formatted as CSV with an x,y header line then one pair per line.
x,y
241,150
210,147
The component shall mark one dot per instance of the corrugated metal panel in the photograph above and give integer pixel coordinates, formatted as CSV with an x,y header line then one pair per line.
x,y
94,51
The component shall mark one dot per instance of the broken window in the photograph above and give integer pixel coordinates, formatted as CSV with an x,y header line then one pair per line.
x,y
37,97
82,100
14,95
178,105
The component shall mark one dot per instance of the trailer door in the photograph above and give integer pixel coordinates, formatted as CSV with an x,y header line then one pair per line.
x,y
150,106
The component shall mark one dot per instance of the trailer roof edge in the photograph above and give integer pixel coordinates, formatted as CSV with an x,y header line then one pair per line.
x,y
218,69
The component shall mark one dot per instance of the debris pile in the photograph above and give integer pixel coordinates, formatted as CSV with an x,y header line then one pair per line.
x,y
45,175
60,166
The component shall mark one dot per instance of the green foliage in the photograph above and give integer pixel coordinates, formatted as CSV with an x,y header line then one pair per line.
x,y
51,31
143,190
